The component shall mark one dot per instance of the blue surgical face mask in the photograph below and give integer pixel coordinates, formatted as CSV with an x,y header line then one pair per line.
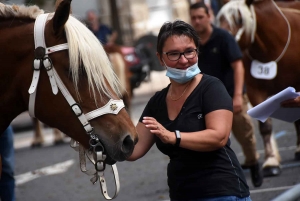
x,y
183,76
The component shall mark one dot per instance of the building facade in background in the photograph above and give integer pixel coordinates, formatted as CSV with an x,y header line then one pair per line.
x,y
135,17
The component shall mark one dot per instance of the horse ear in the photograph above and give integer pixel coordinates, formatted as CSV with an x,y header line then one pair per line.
x,y
249,2
61,15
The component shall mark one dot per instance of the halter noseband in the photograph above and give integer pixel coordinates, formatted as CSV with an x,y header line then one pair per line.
x,y
95,153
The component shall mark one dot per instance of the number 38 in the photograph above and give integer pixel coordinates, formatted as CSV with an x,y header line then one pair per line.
x,y
263,70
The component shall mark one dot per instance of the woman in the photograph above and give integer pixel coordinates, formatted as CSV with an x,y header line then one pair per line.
x,y
190,121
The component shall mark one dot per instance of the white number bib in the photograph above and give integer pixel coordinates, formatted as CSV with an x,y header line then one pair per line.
x,y
265,71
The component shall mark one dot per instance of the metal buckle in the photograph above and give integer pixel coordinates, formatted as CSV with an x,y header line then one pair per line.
x,y
93,142
98,147
100,166
91,132
76,109
47,67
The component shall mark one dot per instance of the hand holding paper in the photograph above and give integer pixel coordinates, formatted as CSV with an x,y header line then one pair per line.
x,y
272,107
295,102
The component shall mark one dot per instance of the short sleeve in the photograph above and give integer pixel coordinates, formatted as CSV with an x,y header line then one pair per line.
x,y
216,97
232,49
156,106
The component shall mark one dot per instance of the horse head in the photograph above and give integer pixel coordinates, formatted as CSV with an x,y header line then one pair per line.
x,y
238,17
81,98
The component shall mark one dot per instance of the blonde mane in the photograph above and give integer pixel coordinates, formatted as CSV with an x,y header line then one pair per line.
x,y
85,51
233,11
20,11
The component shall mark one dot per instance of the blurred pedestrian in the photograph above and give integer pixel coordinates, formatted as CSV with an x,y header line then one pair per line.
x,y
190,121
7,181
220,56
105,34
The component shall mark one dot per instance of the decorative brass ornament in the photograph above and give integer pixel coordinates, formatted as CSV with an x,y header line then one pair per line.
x,y
113,106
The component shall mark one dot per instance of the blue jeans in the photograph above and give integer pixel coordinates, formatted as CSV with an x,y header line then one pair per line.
x,y
7,181
223,198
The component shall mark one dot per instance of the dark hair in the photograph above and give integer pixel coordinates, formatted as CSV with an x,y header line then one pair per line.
x,y
200,4
176,28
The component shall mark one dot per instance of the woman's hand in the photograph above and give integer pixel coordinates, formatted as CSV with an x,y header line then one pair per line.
x,y
157,129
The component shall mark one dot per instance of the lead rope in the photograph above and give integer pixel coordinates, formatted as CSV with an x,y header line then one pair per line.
x,y
289,35
95,153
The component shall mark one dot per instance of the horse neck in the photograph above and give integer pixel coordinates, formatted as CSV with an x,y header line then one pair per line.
x,y
269,42
16,67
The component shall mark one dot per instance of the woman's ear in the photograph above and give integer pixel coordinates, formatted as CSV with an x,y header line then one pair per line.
x,y
160,59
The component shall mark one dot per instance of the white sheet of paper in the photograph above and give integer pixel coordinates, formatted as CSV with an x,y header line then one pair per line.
x,y
271,107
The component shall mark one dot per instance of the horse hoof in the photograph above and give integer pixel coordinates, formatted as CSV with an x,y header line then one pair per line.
x,y
271,171
36,145
297,156
59,142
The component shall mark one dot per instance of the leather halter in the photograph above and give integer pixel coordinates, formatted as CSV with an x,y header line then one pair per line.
x,y
95,153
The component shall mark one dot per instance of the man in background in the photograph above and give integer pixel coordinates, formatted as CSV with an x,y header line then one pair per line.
x,y
106,35
220,56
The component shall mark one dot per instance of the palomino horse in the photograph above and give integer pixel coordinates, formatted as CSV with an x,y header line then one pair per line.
x,y
54,66
266,33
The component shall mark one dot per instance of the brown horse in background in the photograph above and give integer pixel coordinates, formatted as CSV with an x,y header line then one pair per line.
x,y
38,137
267,33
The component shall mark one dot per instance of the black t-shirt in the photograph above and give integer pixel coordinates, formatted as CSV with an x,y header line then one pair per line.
x,y
216,56
193,174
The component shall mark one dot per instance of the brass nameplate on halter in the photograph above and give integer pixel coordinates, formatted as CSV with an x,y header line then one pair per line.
x,y
113,106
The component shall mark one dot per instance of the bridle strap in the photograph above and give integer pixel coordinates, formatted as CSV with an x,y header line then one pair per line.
x,y
112,107
41,59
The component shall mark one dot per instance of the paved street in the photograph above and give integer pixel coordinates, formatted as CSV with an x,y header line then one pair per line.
x,y
52,172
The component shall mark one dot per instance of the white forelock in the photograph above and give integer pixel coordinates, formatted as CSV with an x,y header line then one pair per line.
x,y
86,53
233,11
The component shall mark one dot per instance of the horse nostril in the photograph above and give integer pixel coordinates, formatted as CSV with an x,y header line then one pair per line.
x,y
128,145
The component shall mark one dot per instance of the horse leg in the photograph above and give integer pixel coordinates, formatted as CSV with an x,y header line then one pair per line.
x,y
297,153
38,138
271,165
58,137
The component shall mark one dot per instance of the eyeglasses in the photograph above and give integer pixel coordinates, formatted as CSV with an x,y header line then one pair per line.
x,y
188,54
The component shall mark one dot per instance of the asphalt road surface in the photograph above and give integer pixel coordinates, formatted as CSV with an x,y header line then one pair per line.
x,y
52,172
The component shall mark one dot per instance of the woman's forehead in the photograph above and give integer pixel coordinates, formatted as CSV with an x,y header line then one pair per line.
x,y
179,41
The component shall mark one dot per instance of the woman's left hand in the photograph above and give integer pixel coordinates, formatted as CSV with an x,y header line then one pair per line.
x,y
156,128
